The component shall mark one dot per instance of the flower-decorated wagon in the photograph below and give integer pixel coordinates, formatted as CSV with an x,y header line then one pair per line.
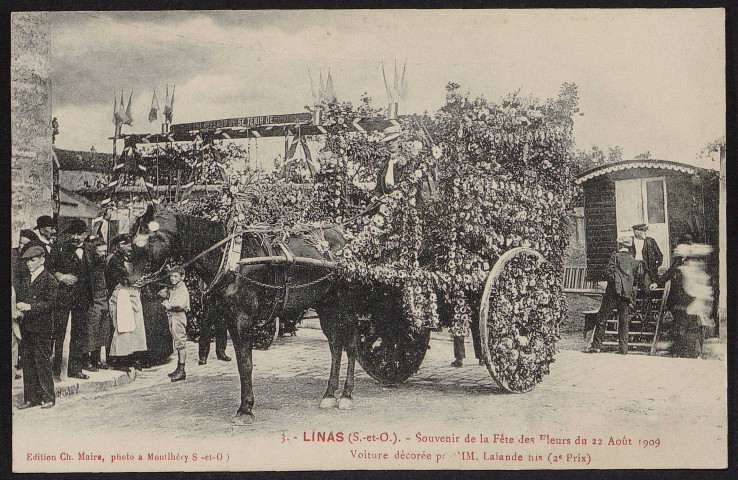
x,y
456,222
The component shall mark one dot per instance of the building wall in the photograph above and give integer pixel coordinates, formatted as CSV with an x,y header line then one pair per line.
x,y
30,103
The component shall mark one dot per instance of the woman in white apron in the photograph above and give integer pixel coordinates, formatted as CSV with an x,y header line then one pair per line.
x,y
129,335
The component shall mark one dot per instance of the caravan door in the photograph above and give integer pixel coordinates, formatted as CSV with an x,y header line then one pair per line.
x,y
643,200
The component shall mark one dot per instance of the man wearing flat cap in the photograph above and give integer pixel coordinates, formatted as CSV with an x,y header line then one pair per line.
x,y
647,252
622,274
36,291
17,267
71,266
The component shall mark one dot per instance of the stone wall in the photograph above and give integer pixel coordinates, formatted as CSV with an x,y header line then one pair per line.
x,y
30,100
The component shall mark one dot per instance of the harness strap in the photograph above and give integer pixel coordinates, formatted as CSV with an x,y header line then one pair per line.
x,y
270,251
287,273
223,264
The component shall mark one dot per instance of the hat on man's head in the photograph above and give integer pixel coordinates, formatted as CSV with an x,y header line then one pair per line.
x,y
33,252
625,241
77,226
45,221
177,269
639,226
391,133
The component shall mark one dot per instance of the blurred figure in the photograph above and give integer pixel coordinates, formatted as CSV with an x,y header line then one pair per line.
x,y
690,296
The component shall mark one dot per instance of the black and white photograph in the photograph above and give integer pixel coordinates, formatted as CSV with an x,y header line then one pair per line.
x,y
321,240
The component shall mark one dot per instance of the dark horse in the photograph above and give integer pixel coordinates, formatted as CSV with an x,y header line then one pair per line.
x,y
249,297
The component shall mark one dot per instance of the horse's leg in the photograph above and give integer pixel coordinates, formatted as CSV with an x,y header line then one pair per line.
x,y
242,344
346,402
329,398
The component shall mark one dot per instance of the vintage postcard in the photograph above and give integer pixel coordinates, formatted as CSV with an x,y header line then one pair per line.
x,y
368,240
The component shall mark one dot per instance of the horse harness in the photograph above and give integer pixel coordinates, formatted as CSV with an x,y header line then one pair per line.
x,y
230,264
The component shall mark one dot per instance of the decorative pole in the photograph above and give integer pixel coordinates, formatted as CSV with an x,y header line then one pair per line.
x,y
722,254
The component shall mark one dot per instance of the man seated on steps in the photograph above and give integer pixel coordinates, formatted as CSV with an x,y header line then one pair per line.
x,y
622,270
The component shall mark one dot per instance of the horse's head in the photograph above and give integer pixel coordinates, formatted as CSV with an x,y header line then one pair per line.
x,y
153,236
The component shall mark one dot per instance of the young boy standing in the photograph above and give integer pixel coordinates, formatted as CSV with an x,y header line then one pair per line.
x,y
177,302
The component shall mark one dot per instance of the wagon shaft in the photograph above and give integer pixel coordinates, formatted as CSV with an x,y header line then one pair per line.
x,y
283,260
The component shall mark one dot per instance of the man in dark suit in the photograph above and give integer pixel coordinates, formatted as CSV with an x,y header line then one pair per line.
x,y
36,297
391,172
18,267
44,235
71,266
647,252
622,274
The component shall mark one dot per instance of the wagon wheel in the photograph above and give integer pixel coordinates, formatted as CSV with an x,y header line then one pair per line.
x,y
519,316
388,349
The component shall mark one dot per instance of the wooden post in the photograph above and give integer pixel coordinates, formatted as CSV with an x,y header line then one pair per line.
x,y
722,256
115,143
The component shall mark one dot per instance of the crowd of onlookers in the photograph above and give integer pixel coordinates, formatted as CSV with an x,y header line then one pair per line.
x,y
84,285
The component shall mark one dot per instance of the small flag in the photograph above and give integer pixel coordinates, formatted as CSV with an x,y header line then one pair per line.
x,y
308,157
386,86
169,105
313,90
321,92
116,116
166,111
154,112
403,83
127,118
292,149
330,94
119,113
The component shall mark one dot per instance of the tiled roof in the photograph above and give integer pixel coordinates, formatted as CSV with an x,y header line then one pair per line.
x,y
72,160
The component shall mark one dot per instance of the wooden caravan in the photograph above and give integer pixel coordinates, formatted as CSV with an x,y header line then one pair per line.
x,y
672,198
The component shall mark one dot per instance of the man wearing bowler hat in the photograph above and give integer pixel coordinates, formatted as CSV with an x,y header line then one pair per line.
x,y
43,235
647,252
36,297
71,266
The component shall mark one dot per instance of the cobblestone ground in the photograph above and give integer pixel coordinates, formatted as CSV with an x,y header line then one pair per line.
x,y
584,393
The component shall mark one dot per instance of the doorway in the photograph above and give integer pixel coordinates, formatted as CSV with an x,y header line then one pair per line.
x,y
643,200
